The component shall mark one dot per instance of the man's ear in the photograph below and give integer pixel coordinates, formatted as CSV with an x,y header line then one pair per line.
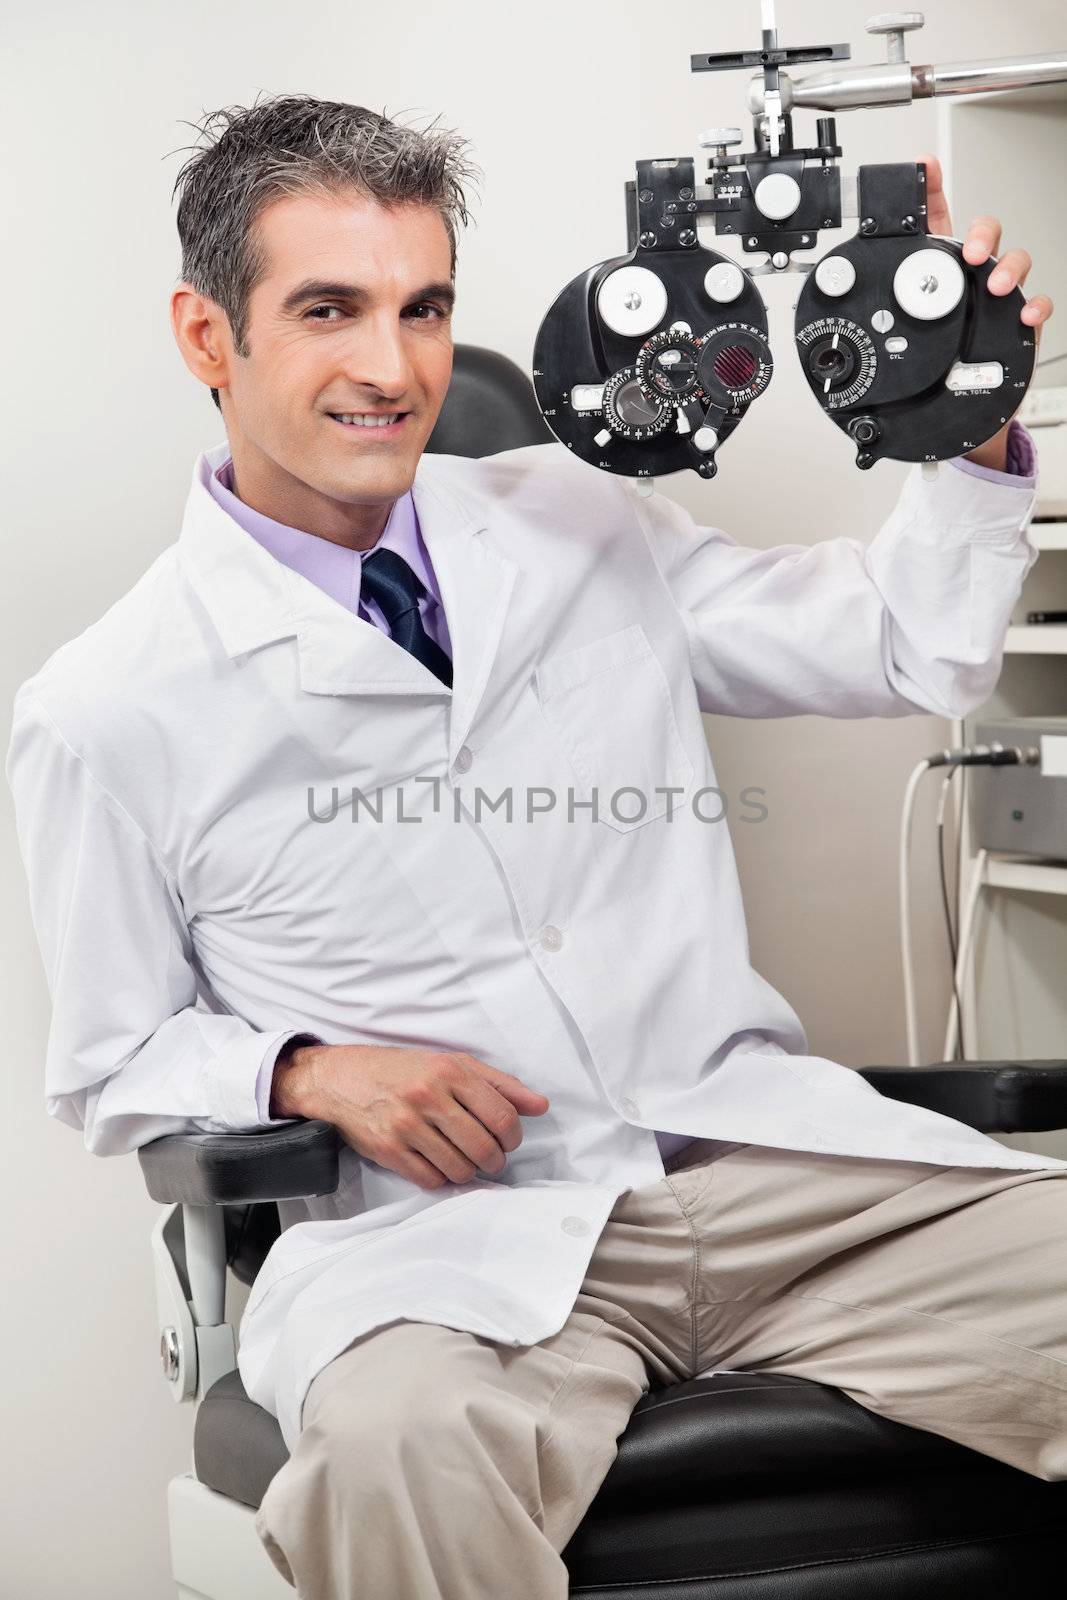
x,y
202,334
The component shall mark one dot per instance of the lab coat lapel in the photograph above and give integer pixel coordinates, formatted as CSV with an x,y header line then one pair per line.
x,y
254,600
475,584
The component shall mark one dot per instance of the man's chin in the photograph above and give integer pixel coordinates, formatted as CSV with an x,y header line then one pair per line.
x,y
368,482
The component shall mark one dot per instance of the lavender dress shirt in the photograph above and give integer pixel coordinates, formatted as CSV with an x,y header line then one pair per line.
x,y
338,572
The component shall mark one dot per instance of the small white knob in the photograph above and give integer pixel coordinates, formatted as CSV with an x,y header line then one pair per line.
x,y
632,301
723,282
705,438
895,24
777,196
929,284
835,275
717,136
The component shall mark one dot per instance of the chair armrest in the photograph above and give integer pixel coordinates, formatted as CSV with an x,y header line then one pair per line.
x,y
215,1169
992,1096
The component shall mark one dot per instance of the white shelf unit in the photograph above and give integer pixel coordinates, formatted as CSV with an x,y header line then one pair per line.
x,y
1048,639
1049,535
1008,870
1000,153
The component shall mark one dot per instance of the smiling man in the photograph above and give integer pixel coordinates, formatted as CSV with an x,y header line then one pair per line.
x,y
319,441
584,1146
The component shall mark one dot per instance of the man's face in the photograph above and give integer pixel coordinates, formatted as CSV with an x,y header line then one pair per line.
x,y
352,316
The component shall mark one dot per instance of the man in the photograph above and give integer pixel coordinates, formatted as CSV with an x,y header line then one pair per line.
x,y
584,1146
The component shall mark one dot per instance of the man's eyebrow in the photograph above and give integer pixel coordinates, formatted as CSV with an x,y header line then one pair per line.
x,y
323,289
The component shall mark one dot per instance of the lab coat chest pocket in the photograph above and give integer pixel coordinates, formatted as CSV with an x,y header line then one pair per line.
x,y
608,702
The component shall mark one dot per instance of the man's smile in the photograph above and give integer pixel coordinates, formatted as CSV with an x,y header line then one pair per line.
x,y
376,425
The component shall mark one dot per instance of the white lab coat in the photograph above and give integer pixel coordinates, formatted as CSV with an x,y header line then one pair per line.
x,y
190,912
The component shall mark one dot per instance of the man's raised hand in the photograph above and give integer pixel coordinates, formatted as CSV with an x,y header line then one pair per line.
x,y
981,242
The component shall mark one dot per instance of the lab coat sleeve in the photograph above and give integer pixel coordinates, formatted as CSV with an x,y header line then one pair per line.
x,y
915,620
265,1076
130,1057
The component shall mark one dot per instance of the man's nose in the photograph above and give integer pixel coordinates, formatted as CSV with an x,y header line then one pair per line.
x,y
377,356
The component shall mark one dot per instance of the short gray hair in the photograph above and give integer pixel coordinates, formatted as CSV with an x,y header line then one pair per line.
x,y
290,145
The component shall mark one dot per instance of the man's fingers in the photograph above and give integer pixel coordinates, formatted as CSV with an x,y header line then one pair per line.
x,y
492,1108
442,1154
982,241
937,213
528,1101
418,1170
1036,311
933,174
1010,270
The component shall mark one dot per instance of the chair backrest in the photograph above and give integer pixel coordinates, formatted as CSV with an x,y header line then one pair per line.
x,y
490,406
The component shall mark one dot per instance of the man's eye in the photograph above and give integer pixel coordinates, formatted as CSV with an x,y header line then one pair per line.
x,y
439,312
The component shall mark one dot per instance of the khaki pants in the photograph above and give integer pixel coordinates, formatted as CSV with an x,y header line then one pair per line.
x,y
435,1464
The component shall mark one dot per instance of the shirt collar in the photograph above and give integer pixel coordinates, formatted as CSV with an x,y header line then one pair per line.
x,y
331,567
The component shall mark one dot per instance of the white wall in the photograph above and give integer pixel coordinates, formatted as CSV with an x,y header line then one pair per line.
x,y
102,423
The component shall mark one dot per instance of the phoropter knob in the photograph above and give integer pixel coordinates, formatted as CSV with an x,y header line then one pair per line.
x,y
719,137
895,24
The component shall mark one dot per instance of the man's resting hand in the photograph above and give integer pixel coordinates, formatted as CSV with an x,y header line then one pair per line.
x,y
433,1116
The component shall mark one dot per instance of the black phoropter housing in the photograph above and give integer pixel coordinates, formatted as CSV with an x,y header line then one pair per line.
x,y
906,386
899,340
650,419
889,406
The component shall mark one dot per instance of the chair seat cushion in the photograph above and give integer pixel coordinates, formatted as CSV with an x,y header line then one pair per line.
x,y
748,1474
764,1485
237,1446
745,1432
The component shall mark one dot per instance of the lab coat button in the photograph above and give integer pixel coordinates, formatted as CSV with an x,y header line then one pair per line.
x,y
631,1108
463,759
575,1225
551,937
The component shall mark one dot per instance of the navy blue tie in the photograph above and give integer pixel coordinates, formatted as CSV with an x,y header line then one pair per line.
x,y
388,579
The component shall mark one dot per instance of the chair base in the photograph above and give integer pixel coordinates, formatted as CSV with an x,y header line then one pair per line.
x,y
215,1551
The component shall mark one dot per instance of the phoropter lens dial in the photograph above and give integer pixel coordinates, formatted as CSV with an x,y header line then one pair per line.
x,y
630,412
735,365
666,367
840,360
